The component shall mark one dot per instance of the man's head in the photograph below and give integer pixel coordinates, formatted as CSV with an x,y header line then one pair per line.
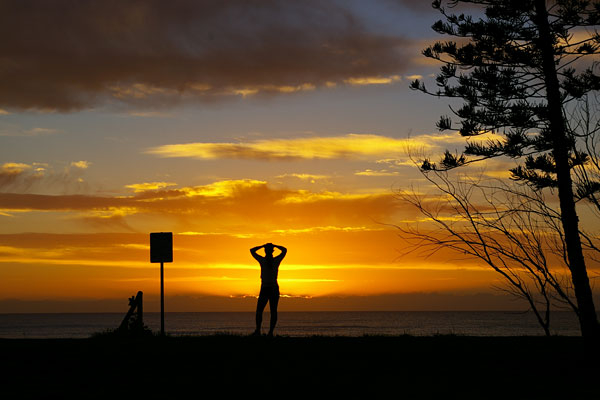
x,y
269,249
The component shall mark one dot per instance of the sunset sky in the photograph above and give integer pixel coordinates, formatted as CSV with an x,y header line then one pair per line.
x,y
231,124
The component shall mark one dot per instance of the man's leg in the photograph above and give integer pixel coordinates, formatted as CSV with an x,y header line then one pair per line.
x,y
260,306
273,302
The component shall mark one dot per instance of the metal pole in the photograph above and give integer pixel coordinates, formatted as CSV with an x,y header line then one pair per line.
x,y
162,300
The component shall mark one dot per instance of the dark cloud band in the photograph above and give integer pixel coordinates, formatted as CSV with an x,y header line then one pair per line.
x,y
65,55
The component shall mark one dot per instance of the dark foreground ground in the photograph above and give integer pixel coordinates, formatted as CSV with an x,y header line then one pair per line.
x,y
373,367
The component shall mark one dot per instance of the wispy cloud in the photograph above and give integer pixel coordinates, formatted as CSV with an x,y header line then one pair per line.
x,y
150,114
12,130
351,146
234,235
23,177
304,177
381,172
227,188
11,173
373,80
304,196
81,164
270,89
315,229
308,280
398,162
143,187
40,131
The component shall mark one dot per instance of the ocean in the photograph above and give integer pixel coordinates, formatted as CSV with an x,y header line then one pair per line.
x,y
348,323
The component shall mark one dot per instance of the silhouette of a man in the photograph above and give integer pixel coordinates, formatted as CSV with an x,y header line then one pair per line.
x,y
269,288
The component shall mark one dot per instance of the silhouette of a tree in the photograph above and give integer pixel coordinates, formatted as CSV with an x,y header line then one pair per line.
x,y
583,123
518,66
510,228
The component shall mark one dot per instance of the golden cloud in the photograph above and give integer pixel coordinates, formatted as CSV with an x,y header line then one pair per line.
x,y
304,196
382,172
227,188
12,174
143,187
249,91
373,80
312,178
324,229
81,164
12,168
351,146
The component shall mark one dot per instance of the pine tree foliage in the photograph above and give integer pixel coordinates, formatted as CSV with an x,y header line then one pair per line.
x,y
495,65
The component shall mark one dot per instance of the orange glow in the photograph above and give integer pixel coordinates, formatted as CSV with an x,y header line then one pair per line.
x,y
336,245
320,262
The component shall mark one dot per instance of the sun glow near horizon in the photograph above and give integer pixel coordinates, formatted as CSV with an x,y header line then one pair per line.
x,y
357,262
227,133
337,246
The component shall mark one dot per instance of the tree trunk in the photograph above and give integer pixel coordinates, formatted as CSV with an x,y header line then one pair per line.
x,y
587,313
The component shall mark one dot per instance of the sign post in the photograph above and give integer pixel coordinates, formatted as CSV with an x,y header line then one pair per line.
x,y
161,251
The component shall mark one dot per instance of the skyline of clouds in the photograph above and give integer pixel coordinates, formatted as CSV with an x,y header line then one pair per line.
x,y
68,56
227,202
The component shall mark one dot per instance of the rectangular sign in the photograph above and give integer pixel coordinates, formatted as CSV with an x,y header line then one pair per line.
x,y
161,247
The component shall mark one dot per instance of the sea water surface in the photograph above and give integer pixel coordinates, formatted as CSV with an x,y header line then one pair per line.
x,y
348,323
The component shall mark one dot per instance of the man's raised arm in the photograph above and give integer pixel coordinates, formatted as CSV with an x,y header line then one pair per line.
x,y
282,249
254,253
